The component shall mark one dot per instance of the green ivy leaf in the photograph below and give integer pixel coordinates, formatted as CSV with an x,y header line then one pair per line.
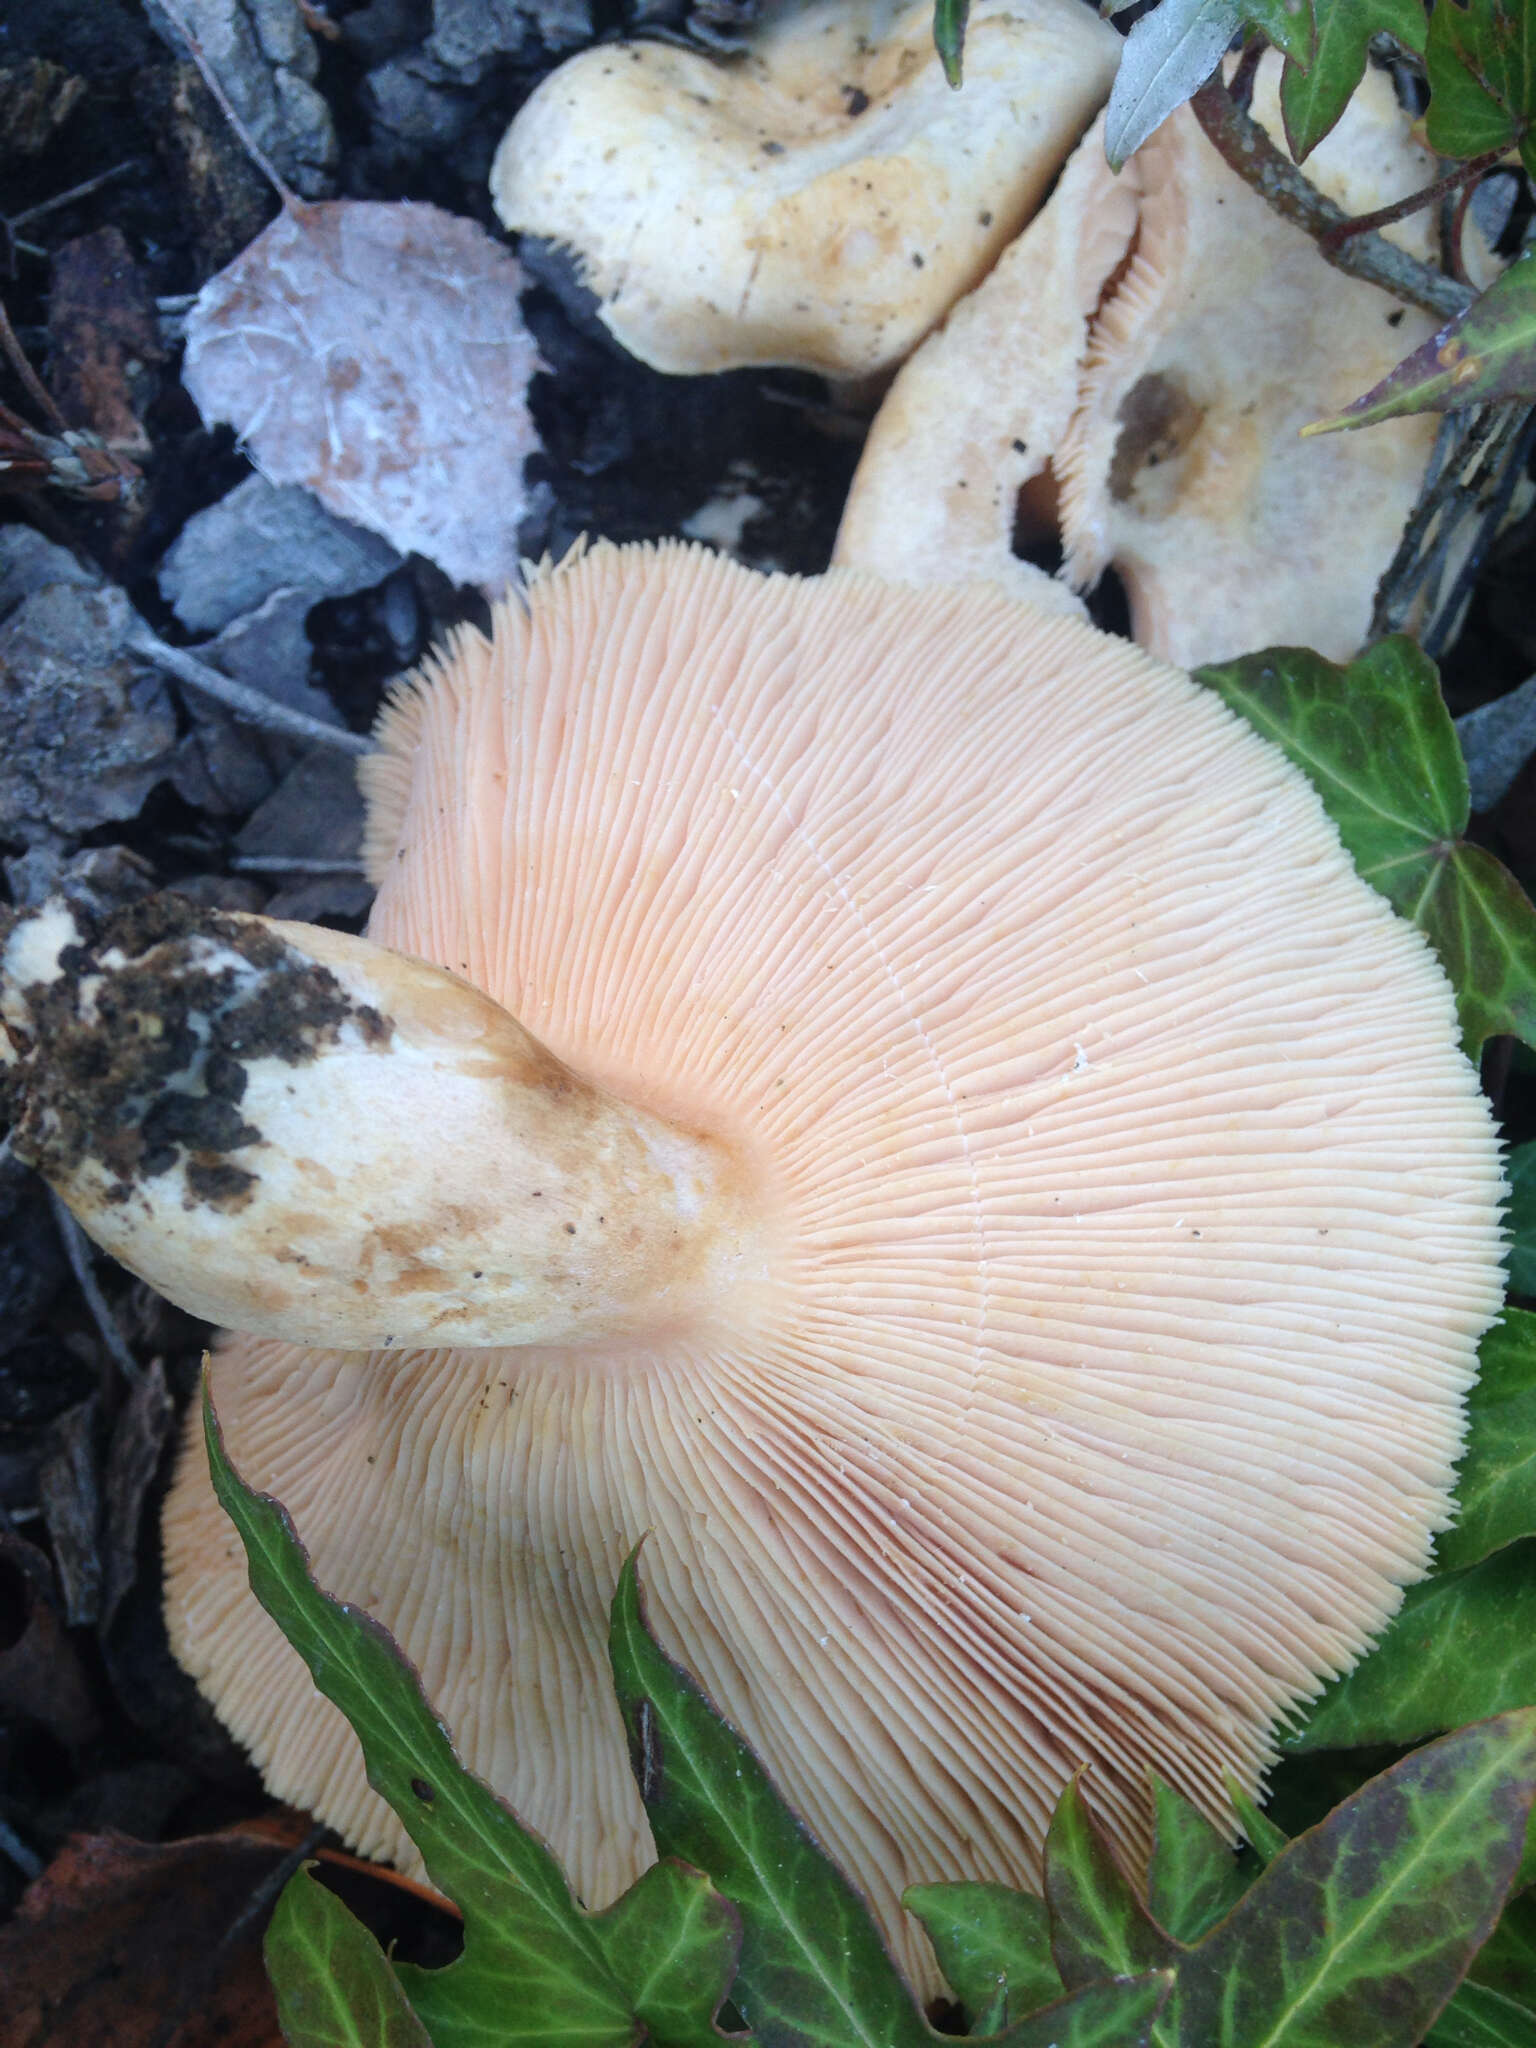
x,y
1506,1961
1481,63
812,1970
1479,2018
1289,24
1117,2012
671,1941
1312,100
533,1970
993,1945
1521,1218
1263,1837
1099,1927
334,1987
1496,1487
1362,1928
1195,1879
1378,745
1463,1645
949,19
1485,354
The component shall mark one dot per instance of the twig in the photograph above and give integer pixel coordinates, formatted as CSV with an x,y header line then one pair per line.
x,y
1243,144
238,698
1401,209
258,156
291,864
75,192
78,1251
26,1860
35,389
1510,453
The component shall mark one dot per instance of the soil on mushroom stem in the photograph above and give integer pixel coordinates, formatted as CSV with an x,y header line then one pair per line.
x,y
99,1729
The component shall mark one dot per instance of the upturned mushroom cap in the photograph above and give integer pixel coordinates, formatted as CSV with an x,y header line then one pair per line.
x,y
819,202
1132,1214
1147,352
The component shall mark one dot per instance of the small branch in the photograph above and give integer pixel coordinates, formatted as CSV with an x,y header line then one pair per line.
x,y
252,148
238,698
31,383
1243,145
78,1249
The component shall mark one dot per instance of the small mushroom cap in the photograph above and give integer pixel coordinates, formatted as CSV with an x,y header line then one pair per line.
x,y
1136,1214
1183,465
818,203
974,417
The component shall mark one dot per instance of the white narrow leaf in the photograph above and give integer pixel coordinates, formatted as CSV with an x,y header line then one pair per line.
x,y
1168,56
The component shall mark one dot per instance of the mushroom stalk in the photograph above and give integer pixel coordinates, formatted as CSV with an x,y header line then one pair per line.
x,y
303,1135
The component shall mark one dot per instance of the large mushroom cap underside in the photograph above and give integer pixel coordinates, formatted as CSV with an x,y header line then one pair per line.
x,y
1135,1214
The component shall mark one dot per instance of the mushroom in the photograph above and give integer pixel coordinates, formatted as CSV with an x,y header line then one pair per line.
x,y
1074,1219
1188,333
819,202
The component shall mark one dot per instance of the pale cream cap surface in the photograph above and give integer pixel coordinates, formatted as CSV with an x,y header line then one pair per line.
x,y
1137,1220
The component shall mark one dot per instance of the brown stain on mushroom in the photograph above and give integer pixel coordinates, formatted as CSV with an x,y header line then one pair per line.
x,y
1158,419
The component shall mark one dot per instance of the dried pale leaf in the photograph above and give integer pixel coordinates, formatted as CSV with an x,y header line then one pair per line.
x,y
376,353
1169,55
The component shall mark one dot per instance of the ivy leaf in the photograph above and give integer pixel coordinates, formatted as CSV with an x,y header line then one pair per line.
x,y
1484,354
1263,1837
1521,1218
1378,745
1506,1961
1496,1487
1099,1927
1195,1879
993,1945
813,1972
1362,1928
1117,2012
533,1968
1312,100
1168,56
1481,63
1462,1645
949,19
1479,2018
334,1987
671,1941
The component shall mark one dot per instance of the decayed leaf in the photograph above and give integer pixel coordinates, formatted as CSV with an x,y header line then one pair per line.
x,y
1486,353
1463,1645
1194,1879
1313,98
377,354
1379,747
334,1987
1168,56
1481,62
121,1944
993,1945
1496,1487
1362,1928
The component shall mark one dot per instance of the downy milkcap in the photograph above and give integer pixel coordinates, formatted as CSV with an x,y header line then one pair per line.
x,y
817,202
1014,1222
1147,351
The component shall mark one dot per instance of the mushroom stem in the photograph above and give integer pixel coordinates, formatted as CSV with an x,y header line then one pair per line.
x,y
303,1135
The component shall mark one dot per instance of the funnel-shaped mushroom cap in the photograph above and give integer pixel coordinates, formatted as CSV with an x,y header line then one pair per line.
x,y
1184,465
819,202
1131,1213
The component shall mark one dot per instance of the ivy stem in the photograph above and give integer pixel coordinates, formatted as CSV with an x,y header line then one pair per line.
x,y
1243,145
1384,216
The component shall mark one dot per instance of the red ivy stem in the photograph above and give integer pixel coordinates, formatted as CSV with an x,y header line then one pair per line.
x,y
1243,144
1383,217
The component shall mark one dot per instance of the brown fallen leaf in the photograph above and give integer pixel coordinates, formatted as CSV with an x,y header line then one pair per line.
x,y
102,332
